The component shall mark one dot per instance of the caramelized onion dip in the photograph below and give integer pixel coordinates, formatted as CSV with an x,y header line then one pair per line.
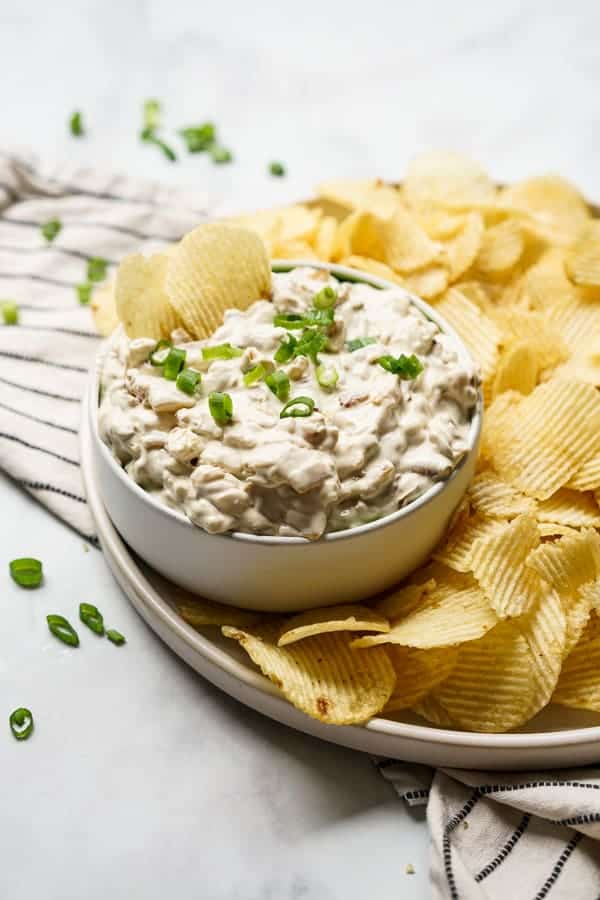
x,y
386,405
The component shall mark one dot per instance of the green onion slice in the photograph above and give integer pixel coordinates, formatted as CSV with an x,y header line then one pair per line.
x,y
115,636
51,228
221,351
21,723
311,342
63,630
96,268
152,114
299,407
92,617
258,373
76,124
277,169
289,320
279,383
286,349
199,138
174,363
147,135
188,381
359,343
84,292
220,154
327,376
325,299
160,353
10,312
322,317
27,572
221,407
406,367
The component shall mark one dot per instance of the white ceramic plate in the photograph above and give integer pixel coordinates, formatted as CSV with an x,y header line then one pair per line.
x,y
556,737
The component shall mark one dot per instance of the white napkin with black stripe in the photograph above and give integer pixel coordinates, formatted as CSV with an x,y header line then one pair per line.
x,y
522,836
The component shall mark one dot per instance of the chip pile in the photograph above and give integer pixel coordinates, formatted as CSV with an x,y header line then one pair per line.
x,y
504,618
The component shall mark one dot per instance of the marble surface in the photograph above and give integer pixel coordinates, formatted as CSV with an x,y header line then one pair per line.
x,y
141,778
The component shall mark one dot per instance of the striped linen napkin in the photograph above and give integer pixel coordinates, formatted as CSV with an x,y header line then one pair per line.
x,y
523,835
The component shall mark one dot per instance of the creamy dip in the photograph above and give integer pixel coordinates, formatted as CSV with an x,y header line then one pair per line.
x,y
374,442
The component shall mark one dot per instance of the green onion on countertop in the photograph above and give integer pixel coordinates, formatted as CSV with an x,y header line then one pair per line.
x,y
279,383
188,381
50,229
199,138
151,123
406,367
63,630
220,154
299,407
10,312
21,723
115,637
221,407
91,616
76,124
26,572
152,114
96,269
277,169
84,292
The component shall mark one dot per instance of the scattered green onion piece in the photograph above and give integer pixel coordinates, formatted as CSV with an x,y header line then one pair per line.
x,y
406,367
327,376
115,637
221,407
96,269
84,292
299,407
151,114
10,312
277,169
199,138
21,723
221,351
160,353
63,630
258,373
220,154
174,363
359,343
325,299
289,320
26,572
188,381
51,228
147,135
279,383
286,349
76,124
92,617
311,342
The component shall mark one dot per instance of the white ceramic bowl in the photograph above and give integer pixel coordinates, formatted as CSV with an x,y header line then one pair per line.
x,y
279,574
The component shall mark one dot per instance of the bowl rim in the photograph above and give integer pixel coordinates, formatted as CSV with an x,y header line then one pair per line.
x,y
346,274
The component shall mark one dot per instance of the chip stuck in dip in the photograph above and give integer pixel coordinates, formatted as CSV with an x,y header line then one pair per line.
x,y
332,405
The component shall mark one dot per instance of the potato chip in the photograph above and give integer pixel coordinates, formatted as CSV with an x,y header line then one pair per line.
x,y
427,283
417,673
491,496
578,612
582,260
298,223
324,240
499,414
568,563
142,301
215,268
347,192
462,250
579,684
517,370
587,478
104,309
448,616
499,563
381,200
553,529
590,593
439,224
480,333
522,325
293,250
372,267
549,197
402,601
406,245
501,248
200,613
351,617
431,709
545,630
555,430
322,675
448,180
358,234
572,508
457,548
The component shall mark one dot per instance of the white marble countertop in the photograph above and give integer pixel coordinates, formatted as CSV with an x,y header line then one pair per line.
x,y
142,779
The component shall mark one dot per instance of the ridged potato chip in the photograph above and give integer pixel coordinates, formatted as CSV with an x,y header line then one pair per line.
x,y
501,248
552,529
545,630
104,309
323,676
517,369
381,200
456,551
406,246
325,237
499,563
590,592
480,333
215,268
200,613
449,180
498,499
553,198
346,192
532,328
417,673
578,612
582,259
351,617
142,299
568,563
358,234
462,250
427,283
372,267
568,507
587,478
579,684
402,601
498,415
439,224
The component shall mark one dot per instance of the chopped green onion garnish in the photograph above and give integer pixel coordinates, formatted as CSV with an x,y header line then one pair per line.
x,y
220,154
174,363
221,407
289,320
221,351
286,349
51,228
299,407
151,114
27,572
21,723
322,317
406,367
188,380
199,138
147,135
160,353
279,383
277,169
311,342
325,299
115,636
63,630
92,617
256,374
10,312
84,292
76,124
359,343
327,376
96,269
